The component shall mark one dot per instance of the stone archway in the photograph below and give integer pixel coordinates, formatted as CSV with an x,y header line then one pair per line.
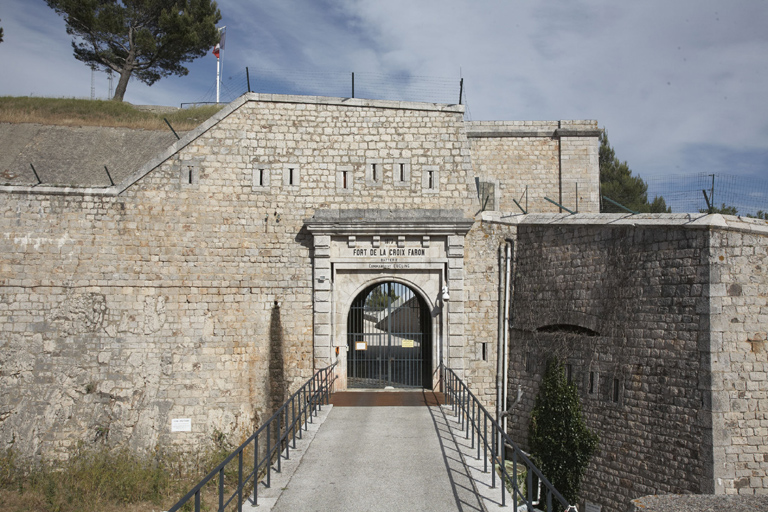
x,y
354,249
389,338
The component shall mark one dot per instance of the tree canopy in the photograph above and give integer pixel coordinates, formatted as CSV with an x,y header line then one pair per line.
x,y
148,39
724,209
618,184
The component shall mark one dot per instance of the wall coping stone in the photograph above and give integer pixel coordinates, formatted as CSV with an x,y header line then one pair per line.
x,y
549,129
687,220
698,503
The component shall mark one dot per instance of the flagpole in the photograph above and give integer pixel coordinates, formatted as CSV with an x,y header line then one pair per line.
x,y
217,52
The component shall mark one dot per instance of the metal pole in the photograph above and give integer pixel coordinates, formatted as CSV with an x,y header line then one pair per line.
x,y
248,78
461,89
353,84
218,79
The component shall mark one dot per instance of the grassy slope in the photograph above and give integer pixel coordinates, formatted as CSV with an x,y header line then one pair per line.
x,y
76,112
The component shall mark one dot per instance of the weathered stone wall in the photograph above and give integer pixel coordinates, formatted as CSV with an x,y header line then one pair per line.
x,y
739,358
482,306
527,161
635,309
186,291
121,313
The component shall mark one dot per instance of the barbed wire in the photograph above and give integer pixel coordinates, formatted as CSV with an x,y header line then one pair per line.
x,y
367,85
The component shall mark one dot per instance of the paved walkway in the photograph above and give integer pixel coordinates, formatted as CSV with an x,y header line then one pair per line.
x,y
381,458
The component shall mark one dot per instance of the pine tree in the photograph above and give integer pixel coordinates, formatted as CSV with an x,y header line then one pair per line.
x,y
561,443
618,184
146,39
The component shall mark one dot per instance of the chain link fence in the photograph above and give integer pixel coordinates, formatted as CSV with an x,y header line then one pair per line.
x,y
690,193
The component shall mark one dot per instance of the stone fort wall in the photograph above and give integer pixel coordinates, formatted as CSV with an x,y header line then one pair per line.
x,y
172,294
658,322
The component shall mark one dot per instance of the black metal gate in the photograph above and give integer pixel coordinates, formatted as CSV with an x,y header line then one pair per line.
x,y
388,336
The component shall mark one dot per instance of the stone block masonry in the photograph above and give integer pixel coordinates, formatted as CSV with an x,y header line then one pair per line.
x,y
658,320
125,307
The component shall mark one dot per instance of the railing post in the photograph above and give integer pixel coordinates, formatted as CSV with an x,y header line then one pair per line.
x,y
256,469
221,489
240,482
269,455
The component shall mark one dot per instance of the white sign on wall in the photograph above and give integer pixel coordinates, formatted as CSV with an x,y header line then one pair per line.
x,y
181,425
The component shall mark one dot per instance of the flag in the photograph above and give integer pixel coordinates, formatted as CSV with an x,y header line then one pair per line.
x,y
222,36
216,51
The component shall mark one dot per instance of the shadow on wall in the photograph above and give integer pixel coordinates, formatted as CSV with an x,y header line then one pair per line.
x,y
276,377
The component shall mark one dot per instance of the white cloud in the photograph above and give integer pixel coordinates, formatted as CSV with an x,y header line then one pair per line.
x,y
662,77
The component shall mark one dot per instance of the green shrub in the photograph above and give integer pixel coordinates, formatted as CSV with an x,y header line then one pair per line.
x,y
561,443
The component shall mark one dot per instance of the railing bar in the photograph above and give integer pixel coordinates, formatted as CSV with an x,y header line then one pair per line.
x,y
240,483
529,481
269,457
479,441
493,455
197,501
221,490
515,487
287,437
256,466
504,476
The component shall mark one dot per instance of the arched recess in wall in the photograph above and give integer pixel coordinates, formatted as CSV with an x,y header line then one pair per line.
x,y
567,329
389,337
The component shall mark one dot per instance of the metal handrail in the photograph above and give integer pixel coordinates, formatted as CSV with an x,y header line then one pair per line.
x,y
286,424
476,420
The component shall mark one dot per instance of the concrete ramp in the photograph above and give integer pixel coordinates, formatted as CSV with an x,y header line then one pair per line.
x,y
383,458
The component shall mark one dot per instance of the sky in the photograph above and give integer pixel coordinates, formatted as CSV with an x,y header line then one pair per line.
x,y
680,86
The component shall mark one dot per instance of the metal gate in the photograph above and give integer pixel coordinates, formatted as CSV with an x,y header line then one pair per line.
x,y
388,336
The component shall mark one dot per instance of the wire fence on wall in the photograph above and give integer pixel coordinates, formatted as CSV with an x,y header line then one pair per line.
x,y
686,193
378,86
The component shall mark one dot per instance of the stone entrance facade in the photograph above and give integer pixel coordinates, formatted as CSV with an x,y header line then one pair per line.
x,y
214,278
423,249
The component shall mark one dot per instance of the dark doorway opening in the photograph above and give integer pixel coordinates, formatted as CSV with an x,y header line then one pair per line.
x,y
389,339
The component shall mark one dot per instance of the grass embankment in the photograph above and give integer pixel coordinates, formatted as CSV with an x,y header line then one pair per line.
x,y
101,480
77,112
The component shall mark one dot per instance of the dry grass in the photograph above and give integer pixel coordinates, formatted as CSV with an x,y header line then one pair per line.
x,y
105,481
76,112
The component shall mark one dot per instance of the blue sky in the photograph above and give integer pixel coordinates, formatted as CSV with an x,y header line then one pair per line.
x,y
680,86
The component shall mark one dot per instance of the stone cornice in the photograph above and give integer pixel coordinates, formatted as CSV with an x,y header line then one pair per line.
x,y
388,222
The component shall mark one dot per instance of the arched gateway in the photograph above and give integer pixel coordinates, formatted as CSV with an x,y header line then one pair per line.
x,y
389,338
388,300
